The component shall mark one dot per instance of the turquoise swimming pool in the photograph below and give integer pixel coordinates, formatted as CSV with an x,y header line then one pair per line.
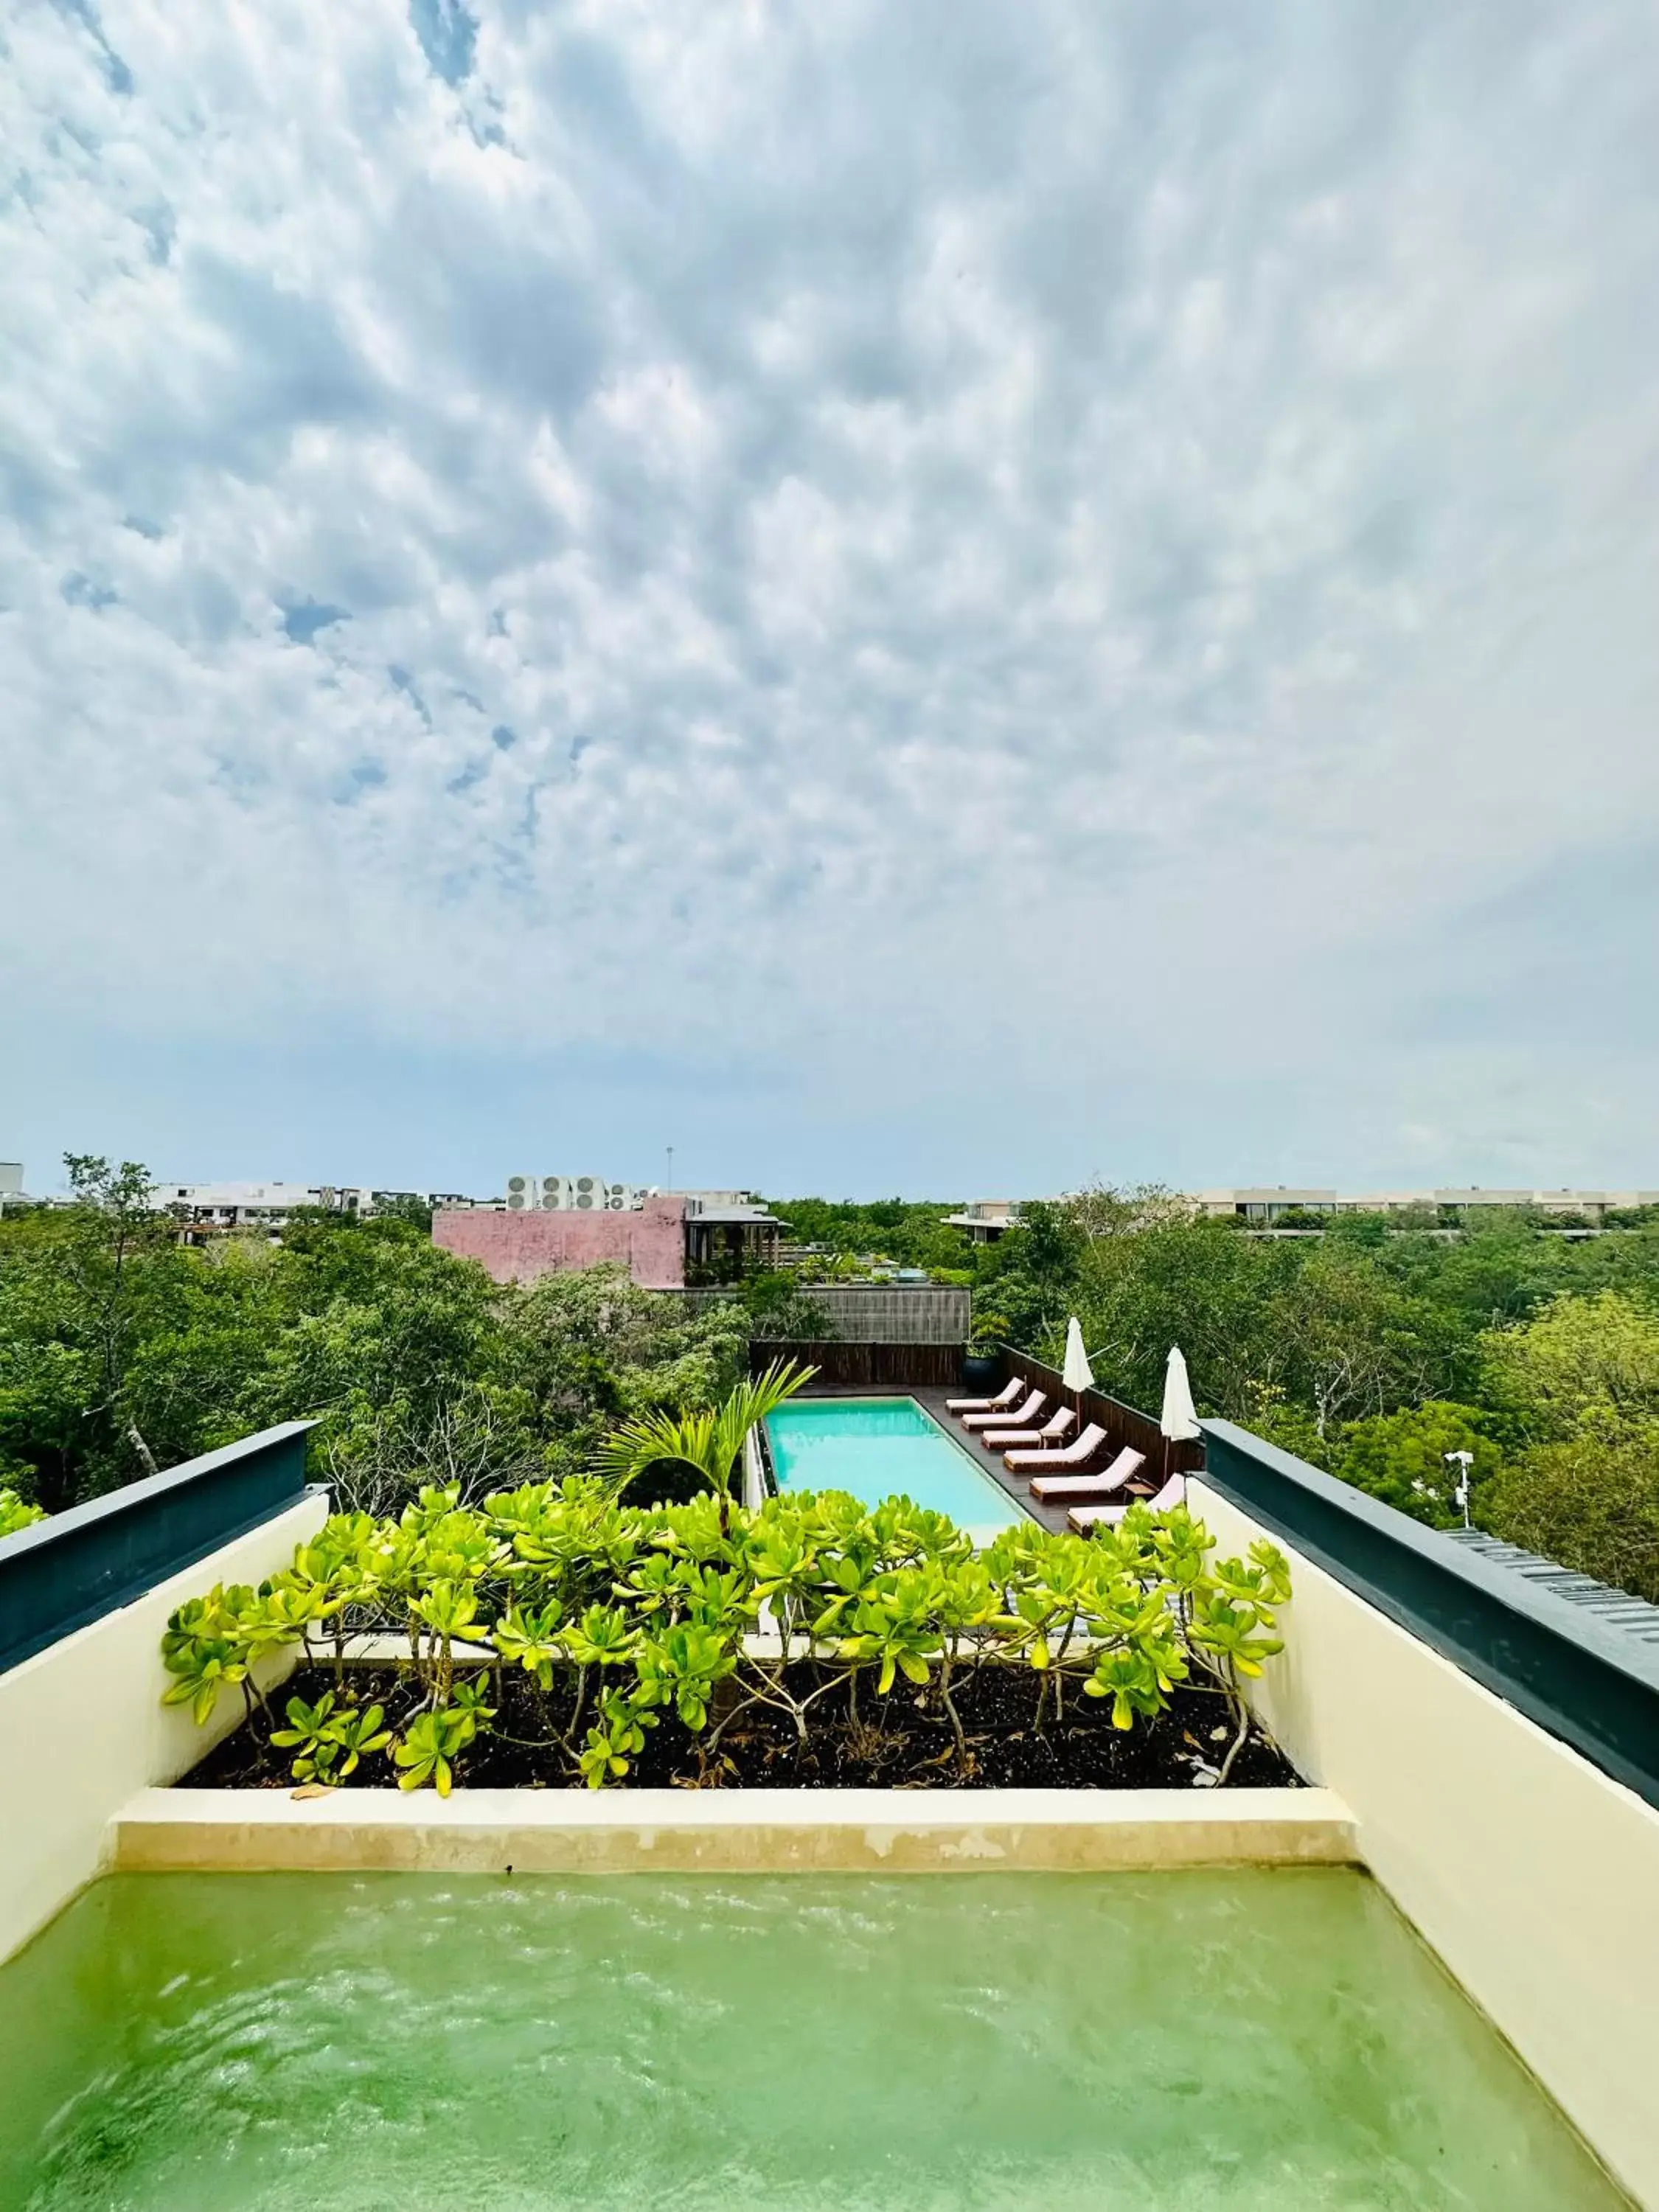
x,y
879,1448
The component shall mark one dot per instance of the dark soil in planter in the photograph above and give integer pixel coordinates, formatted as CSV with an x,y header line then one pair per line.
x,y
903,1742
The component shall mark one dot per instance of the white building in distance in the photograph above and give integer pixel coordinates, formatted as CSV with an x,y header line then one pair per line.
x,y
1267,1203
205,1209
983,1220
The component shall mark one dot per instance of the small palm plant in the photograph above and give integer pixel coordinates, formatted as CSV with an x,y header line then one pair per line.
x,y
709,1443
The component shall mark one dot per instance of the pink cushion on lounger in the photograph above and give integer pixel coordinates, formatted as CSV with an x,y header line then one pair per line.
x,y
1028,1412
1083,1518
1006,1396
1078,1455
1030,1439
1127,1462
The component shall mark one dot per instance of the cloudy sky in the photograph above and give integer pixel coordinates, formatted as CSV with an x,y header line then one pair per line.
x,y
953,596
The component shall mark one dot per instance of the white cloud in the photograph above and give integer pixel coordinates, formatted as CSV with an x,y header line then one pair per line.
x,y
611,527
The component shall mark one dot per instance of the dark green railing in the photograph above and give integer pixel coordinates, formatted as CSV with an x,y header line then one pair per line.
x,y
58,1575
1586,1682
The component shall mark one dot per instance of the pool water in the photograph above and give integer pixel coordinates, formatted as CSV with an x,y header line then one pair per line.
x,y
1182,2042
880,1448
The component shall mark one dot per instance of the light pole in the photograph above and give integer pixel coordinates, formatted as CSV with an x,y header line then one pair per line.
x,y
1464,1460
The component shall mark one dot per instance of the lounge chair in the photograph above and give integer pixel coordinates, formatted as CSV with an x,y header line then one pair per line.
x,y
1083,1518
1129,1462
1052,1432
999,1404
1022,1418
1077,1454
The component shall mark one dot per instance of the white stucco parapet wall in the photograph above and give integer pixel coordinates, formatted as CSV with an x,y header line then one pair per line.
x,y
82,1727
1534,1875
676,1831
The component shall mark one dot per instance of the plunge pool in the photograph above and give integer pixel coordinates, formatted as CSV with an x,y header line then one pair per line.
x,y
1240,2041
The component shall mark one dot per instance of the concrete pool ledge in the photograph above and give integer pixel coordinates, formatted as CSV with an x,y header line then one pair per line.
x,y
676,1831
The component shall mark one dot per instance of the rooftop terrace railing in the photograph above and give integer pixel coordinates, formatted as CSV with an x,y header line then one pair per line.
x,y
59,1575
1577,1675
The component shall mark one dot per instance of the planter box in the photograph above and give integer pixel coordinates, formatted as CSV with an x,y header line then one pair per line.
x,y
717,1831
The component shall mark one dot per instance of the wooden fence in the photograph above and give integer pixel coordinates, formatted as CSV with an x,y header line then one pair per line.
x,y
874,1312
865,1366
1124,1425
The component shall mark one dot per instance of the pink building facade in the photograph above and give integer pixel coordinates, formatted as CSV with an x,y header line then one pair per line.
x,y
516,1248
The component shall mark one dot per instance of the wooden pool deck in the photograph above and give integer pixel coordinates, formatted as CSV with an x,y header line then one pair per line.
x,y
933,1403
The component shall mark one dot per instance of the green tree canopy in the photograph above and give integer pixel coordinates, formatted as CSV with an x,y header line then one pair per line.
x,y
1401,1458
1580,1363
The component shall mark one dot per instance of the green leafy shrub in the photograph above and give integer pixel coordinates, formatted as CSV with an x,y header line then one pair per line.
x,y
331,1745
620,1614
14,1514
432,1743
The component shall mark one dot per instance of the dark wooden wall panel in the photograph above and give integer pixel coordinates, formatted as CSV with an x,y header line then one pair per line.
x,y
868,1366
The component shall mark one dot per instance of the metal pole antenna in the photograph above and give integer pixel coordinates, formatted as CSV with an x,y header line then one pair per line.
x,y
670,1167
1464,1460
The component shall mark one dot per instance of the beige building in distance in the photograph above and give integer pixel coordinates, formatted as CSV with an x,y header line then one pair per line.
x,y
1269,1203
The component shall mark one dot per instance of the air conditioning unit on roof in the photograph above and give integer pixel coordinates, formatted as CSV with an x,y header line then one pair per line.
x,y
521,1191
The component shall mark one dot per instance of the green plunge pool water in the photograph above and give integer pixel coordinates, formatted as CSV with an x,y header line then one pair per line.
x,y
881,1448
1168,2043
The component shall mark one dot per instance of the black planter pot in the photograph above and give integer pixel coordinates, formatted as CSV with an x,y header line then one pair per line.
x,y
981,1371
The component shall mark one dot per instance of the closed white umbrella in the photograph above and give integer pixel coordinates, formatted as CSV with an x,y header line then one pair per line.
x,y
1077,1374
1179,1418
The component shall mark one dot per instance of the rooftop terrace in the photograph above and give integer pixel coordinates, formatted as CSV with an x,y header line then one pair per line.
x,y
1478,1732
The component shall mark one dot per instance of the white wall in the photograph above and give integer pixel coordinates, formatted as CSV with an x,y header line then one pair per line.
x,y
1534,1876
82,1727
754,1476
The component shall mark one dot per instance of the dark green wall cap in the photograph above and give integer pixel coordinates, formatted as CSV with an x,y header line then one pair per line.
x,y
1573,1675
60,1574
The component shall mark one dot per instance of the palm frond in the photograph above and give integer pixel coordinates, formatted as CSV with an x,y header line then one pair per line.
x,y
649,1439
709,1441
